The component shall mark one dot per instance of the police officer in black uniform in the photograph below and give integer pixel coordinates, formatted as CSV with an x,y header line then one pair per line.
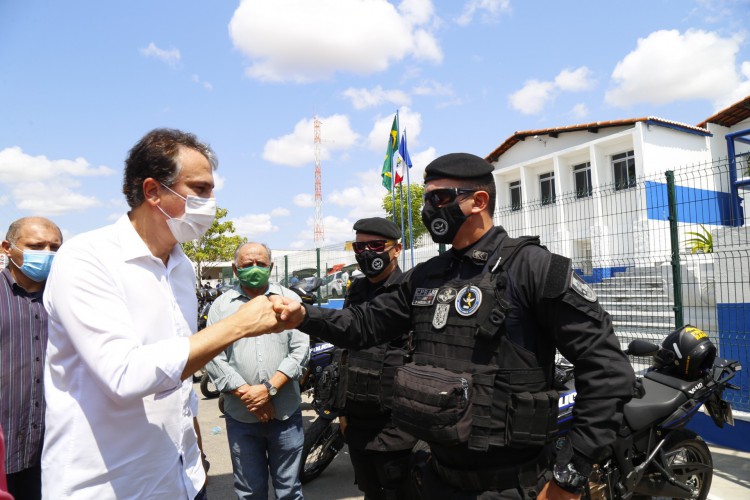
x,y
379,451
486,317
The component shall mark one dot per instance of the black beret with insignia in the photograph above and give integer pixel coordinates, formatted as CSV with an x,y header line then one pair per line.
x,y
457,166
380,226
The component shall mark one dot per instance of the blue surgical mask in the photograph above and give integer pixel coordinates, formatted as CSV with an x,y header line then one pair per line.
x,y
36,264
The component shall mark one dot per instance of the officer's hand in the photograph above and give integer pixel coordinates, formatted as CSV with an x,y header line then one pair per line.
x,y
255,397
289,313
552,491
255,317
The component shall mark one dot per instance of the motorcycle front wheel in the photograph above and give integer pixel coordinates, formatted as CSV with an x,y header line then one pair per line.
x,y
208,389
323,440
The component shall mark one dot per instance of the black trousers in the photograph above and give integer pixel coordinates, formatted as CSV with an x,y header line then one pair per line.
x,y
26,484
381,475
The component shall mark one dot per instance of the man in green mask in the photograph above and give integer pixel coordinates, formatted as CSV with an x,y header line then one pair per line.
x,y
258,376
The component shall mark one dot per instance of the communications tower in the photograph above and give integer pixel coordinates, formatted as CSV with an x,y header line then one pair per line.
x,y
319,234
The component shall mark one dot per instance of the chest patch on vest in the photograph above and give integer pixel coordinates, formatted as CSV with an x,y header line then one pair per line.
x,y
446,295
468,300
479,256
582,288
424,296
441,316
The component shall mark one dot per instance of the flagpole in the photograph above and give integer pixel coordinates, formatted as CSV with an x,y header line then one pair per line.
x,y
401,202
393,173
408,201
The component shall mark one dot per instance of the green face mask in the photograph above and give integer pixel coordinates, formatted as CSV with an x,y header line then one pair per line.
x,y
254,276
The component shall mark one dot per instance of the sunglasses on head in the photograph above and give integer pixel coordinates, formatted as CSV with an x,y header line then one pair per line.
x,y
374,246
443,196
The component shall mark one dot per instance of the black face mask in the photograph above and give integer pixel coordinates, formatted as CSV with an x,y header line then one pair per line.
x,y
372,263
443,223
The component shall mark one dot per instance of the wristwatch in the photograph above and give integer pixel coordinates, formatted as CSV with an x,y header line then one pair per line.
x,y
564,472
568,478
271,389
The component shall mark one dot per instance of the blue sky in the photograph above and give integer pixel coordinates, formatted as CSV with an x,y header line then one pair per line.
x,y
81,81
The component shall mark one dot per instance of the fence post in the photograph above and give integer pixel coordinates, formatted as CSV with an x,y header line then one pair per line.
x,y
675,244
441,248
317,254
286,270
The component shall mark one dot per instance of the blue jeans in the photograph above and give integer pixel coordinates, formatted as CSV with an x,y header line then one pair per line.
x,y
259,449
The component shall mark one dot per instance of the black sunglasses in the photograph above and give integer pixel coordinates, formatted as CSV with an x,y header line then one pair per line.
x,y
443,196
374,245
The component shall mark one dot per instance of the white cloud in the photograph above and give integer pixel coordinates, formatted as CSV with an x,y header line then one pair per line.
x,y
304,200
251,225
580,110
51,198
431,87
280,212
574,80
335,229
47,187
171,56
219,181
288,40
364,199
297,149
409,120
205,85
419,163
532,98
17,166
368,98
490,10
669,66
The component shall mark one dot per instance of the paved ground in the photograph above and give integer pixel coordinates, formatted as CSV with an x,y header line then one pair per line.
x,y
731,468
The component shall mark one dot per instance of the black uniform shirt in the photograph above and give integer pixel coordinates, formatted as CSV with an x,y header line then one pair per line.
x,y
376,431
543,317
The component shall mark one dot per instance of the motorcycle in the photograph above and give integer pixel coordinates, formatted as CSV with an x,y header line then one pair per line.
x,y
206,297
323,438
655,456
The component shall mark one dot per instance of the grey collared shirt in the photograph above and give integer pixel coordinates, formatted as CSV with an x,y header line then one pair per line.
x,y
253,360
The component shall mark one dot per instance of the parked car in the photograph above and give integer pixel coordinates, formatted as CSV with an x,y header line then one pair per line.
x,y
334,285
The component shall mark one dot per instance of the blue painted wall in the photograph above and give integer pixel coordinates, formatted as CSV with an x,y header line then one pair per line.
x,y
736,437
734,343
599,273
695,206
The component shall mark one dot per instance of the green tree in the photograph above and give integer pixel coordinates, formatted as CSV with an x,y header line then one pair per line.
x,y
417,193
217,245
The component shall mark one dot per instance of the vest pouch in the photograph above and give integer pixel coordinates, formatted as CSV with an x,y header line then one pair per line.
x,y
327,392
433,404
531,419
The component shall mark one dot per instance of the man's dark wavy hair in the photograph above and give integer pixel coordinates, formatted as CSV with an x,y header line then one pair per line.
x,y
155,156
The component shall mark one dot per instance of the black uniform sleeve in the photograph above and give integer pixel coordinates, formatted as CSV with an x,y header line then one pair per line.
x,y
380,320
604,377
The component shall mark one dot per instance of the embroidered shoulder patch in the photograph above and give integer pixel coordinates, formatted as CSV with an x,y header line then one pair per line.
x,y
424,296
582,288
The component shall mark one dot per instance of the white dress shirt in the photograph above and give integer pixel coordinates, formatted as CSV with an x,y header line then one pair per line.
x,y
119,420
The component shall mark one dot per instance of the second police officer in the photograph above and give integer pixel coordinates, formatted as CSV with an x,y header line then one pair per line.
x,y
379,451
486,317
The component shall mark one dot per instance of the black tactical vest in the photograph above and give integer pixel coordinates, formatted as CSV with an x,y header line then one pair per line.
x,y
468,384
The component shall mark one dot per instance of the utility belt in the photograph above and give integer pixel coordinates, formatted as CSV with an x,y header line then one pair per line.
x,y
525,475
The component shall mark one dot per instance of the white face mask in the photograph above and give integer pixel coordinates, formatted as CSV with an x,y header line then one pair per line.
x,y
198,217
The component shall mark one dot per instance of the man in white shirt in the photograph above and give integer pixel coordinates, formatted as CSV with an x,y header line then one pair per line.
x,y
121,350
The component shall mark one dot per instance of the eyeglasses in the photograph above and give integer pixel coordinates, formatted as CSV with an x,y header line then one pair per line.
x,y
443,196
374,245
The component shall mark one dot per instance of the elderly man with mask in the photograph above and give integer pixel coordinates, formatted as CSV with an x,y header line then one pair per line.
x,y
30,246
259,377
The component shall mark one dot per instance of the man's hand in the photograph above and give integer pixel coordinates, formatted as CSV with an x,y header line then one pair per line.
x,y
552,491
255,397
241,390
289,313
265,412
256,317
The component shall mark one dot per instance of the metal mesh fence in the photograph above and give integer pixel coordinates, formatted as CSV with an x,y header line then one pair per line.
x,y
620,238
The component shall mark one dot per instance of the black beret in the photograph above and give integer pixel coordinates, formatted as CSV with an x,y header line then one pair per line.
x,y
457,166
380,226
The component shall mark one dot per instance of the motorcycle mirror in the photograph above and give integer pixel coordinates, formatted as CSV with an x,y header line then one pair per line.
x,y
640,347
